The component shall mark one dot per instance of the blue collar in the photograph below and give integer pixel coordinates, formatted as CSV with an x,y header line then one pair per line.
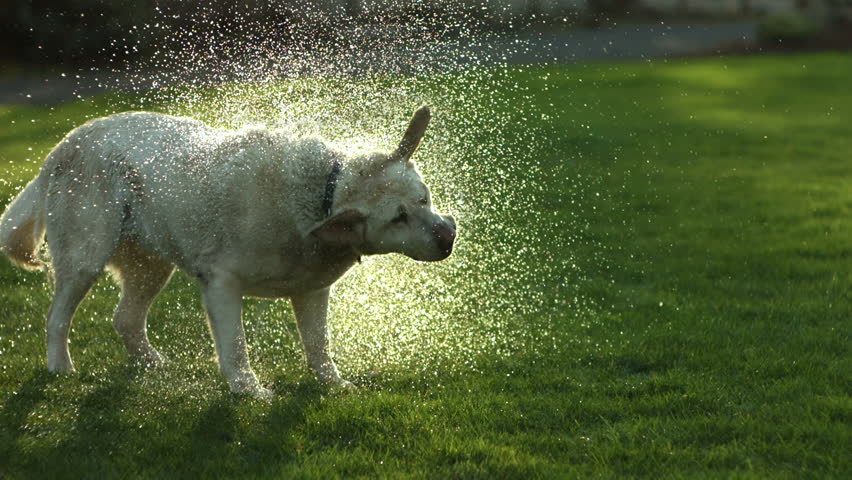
x,y
330,186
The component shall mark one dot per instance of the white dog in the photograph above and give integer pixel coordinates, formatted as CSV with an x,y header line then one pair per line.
x,y
253,212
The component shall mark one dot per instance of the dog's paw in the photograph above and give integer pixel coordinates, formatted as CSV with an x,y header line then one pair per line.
x,y
342,384
251,387
257,392
61,367
330,377
261,393
149,359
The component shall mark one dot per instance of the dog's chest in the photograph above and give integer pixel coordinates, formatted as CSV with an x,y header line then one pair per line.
x,y
293,272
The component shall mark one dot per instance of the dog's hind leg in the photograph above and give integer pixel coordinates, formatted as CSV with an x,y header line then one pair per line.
x,y
83,229
141,276
75,271
70,288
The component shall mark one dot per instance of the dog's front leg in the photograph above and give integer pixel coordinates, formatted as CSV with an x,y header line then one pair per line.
x,y
223,302
311,311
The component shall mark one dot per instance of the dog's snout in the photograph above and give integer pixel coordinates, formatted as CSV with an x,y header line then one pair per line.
x,y
445,234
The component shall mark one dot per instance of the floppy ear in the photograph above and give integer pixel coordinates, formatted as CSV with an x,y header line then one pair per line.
x,y
413,135
344,228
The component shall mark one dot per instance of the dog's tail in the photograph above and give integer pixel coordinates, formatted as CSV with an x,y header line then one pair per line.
x,y
22,225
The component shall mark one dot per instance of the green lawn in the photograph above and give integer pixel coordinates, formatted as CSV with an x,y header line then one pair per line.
x,y
653,279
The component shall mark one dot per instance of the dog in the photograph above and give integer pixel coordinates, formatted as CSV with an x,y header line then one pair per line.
x,y
254,212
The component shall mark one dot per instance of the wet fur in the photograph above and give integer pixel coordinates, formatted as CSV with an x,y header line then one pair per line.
x,y
141,193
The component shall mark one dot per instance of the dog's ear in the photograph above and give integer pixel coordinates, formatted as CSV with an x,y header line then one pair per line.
x,y
413,135
344,228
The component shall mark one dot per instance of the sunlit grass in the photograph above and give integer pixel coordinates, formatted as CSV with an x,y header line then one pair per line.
x,y
652,279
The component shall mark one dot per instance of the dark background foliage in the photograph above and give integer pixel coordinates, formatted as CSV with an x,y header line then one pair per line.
x,y
86,32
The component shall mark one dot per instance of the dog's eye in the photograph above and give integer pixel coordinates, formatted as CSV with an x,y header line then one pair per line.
x,y
401,218
424,201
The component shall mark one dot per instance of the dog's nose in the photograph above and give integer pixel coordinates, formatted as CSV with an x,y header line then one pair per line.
x,y
445,234
450,221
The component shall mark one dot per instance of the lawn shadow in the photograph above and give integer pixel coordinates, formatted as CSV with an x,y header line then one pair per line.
x,y
18,406
116,431
98,427
241,436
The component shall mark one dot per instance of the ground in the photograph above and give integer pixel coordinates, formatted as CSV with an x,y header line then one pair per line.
x,y
705,335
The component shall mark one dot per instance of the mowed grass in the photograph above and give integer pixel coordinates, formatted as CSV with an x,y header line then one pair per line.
x,y
714,242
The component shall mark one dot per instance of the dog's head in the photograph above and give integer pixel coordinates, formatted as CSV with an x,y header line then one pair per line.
x,y
383,205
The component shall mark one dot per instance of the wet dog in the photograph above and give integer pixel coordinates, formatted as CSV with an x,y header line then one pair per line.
x,y
253,212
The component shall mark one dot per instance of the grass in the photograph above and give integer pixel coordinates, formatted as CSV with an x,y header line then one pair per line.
x,y
712,228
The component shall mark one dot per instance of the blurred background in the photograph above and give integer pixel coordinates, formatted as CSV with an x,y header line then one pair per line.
x,y
655,218
85,34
